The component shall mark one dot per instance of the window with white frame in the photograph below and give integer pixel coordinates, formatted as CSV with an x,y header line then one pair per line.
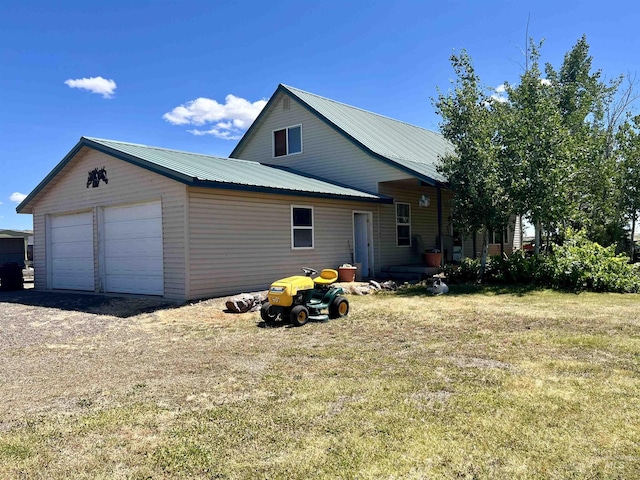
x,y
301,227
403,224
287,141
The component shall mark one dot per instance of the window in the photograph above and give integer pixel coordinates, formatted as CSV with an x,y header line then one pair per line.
x,y
287,141
301,227
403,224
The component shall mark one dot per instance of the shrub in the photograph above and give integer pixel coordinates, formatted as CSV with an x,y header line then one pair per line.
x,y
466,272
580,264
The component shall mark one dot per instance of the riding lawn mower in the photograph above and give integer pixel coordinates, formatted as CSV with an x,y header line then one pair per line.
x,y
301,298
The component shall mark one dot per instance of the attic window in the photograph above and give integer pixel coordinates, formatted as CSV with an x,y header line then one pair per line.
x,y
287,141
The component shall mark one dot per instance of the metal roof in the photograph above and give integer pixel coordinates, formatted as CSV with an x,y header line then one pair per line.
x,y
408,147
213,172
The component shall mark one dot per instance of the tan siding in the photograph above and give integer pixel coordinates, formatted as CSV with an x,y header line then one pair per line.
x,y
39,252
127,184
424,221
242,241
326,153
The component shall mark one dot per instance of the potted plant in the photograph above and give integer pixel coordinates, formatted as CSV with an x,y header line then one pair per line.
x,y
432,258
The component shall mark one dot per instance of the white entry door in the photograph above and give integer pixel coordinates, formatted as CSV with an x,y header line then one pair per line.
x,y
70,251
133,249
362,245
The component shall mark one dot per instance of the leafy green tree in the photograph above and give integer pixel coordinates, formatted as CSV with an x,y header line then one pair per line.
x,y
536,147
629,163
468,121
585,104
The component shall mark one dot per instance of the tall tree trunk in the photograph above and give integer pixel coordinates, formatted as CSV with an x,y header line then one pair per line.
x,y
485,251
633,234
538,237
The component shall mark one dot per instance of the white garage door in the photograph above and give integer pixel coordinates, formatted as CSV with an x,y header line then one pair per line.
x,y
133,249
71,251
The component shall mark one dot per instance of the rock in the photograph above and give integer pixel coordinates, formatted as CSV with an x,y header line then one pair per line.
x,y
242,303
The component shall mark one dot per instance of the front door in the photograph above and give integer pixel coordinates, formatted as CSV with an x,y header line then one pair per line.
x,y
362,245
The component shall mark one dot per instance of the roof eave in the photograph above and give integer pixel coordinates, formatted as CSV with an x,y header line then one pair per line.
x,y
290,192
362,146
23,207
256,122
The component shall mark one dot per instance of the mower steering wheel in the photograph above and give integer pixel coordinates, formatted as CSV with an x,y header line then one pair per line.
x,y
309,271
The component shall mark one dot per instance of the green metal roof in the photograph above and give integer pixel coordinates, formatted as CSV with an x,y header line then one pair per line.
x,y
408,147
213,172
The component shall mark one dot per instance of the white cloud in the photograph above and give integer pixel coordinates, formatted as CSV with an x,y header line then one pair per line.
x,y
94,84
499,95
17,197
230,119
545,81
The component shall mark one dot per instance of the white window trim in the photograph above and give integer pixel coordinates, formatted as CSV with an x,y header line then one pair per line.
x,y
273,141
395,212
312,228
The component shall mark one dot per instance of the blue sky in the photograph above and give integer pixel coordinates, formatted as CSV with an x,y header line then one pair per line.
x,y
191,75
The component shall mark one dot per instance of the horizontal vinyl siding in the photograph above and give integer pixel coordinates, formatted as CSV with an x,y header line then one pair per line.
x,y
39,252
128,184
424,221
242,242
325,152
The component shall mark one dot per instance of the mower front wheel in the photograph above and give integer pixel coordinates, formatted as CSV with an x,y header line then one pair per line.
x,y
267,313
299,315
339,307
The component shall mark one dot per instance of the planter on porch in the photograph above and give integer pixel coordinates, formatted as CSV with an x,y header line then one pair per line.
x,y
347,274
432,259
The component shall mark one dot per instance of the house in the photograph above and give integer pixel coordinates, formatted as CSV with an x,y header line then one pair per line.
x,y
313,182
14,246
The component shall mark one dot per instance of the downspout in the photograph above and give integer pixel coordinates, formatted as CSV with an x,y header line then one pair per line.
x,y
439,196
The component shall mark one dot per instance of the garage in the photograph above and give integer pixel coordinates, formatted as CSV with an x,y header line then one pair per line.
x,y
71,252
133,249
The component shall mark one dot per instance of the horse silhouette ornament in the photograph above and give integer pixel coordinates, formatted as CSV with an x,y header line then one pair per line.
x,y
95,176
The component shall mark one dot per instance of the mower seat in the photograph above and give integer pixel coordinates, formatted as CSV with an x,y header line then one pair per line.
x,y
327,277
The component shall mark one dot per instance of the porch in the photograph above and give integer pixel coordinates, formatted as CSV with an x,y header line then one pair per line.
x,y
410,272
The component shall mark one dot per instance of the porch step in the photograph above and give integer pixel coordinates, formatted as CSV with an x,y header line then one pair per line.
x,y
409,273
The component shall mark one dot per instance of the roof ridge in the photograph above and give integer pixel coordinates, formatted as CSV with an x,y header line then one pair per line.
x,y
294,89
173,150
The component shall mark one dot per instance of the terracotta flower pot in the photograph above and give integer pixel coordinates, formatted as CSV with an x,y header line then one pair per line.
x,y
432,259
347,274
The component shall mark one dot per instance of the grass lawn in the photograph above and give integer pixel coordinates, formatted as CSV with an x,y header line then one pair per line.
x,y
480,383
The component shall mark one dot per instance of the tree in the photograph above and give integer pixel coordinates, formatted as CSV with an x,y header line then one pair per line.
x,y
536,149
629,163
468,121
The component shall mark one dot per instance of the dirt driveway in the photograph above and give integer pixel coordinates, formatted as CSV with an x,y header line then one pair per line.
x,y
63,352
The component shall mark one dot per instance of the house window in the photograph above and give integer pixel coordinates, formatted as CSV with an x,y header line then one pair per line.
x,y
287,141
301,227
403,224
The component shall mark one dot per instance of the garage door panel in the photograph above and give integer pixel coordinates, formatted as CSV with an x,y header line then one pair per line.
x,y
71,252
133,249
133,267
144,228
137,248
143,285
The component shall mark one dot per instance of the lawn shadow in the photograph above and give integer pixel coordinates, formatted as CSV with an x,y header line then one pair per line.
x,y
472,289
116,306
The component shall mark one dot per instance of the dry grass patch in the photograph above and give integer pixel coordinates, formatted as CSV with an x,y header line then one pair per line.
x,y
476,384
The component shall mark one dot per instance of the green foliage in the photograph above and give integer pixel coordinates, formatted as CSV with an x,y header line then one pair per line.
x,y
467,272
581,264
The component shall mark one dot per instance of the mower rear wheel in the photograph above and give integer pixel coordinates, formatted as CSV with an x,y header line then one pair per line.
x,y
267,313
299,315
339,307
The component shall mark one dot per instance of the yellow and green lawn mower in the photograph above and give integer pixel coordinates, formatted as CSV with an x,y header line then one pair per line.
x,y
301,298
